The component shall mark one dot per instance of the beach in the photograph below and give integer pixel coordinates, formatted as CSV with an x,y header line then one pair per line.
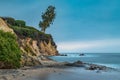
x,y
57,73
60,72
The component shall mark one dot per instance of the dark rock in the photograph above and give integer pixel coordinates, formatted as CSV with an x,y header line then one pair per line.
x,y
23,74
69,64
76,64
82,54
96,67
63,54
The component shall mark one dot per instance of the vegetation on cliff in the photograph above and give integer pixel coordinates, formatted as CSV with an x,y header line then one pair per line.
x,y
23,45
10,52
23,31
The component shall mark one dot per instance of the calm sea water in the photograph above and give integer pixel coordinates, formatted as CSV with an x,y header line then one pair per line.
x,y
107,59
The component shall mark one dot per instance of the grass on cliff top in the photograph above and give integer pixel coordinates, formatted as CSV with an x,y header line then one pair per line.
x,y
10,52
31,32
23,31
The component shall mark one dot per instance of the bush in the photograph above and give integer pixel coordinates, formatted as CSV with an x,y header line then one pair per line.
x,y
25,32
33,33
20,23
12,22
9,20
10,52
28,32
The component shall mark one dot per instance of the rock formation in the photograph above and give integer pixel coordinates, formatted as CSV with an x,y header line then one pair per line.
x,y
33,50
4,26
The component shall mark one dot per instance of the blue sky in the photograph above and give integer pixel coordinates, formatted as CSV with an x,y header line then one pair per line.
x,y
80,25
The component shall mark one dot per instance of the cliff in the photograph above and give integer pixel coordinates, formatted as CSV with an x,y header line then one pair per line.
x,y
34,45
4,26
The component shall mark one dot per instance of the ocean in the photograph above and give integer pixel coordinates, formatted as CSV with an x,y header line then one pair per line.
x,y
106,59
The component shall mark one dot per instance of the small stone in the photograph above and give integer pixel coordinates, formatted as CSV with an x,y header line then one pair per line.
x,y
54,71
23,74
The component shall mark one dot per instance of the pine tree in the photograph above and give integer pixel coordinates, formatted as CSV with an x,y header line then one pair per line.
x,y
47,18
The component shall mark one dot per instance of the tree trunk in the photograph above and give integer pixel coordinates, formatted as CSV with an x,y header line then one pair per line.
x,y
43,30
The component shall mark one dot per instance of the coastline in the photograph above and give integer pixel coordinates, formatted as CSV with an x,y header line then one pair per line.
x,y
51,70
104,59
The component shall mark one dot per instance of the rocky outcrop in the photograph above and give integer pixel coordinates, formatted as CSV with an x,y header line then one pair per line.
x,y
4,26
48,48
33,50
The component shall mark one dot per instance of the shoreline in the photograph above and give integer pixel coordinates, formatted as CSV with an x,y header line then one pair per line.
x,y
51,70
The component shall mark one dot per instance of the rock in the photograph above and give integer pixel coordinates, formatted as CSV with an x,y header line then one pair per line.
x,y
28,60
34,51
78,62
44,58
69,64
23,74
4,26
32,48
96,67
82,54
75,64
63,54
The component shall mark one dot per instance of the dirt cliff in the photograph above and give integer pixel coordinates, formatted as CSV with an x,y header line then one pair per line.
x,y
35,48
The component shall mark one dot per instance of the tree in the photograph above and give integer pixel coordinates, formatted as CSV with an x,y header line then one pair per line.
x,y
47,18
20,23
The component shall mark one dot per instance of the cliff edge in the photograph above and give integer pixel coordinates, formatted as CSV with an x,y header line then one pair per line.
x,y
34,45
4,26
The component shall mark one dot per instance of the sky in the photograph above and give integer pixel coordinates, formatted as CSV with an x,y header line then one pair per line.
x,y
84,26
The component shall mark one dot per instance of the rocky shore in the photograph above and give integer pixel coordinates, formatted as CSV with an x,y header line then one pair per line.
x,y
46,68
79,64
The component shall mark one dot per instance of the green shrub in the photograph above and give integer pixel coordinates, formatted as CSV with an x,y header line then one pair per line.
x,y
20,23
31,32
27,32
10,52
9,20
12,22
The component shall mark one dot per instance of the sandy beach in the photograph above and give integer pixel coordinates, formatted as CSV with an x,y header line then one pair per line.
x,y
57,73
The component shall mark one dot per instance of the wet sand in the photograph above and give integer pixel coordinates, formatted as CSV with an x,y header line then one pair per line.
x,y
52,70
58,74
27,74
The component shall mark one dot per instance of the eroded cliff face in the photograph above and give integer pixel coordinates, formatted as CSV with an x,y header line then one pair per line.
x,y
4,26
33,50
37,48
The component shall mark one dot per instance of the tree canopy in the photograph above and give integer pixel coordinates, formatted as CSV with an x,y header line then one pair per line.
x,y
47,18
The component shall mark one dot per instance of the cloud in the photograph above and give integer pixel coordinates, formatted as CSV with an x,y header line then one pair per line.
x,y
75,46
